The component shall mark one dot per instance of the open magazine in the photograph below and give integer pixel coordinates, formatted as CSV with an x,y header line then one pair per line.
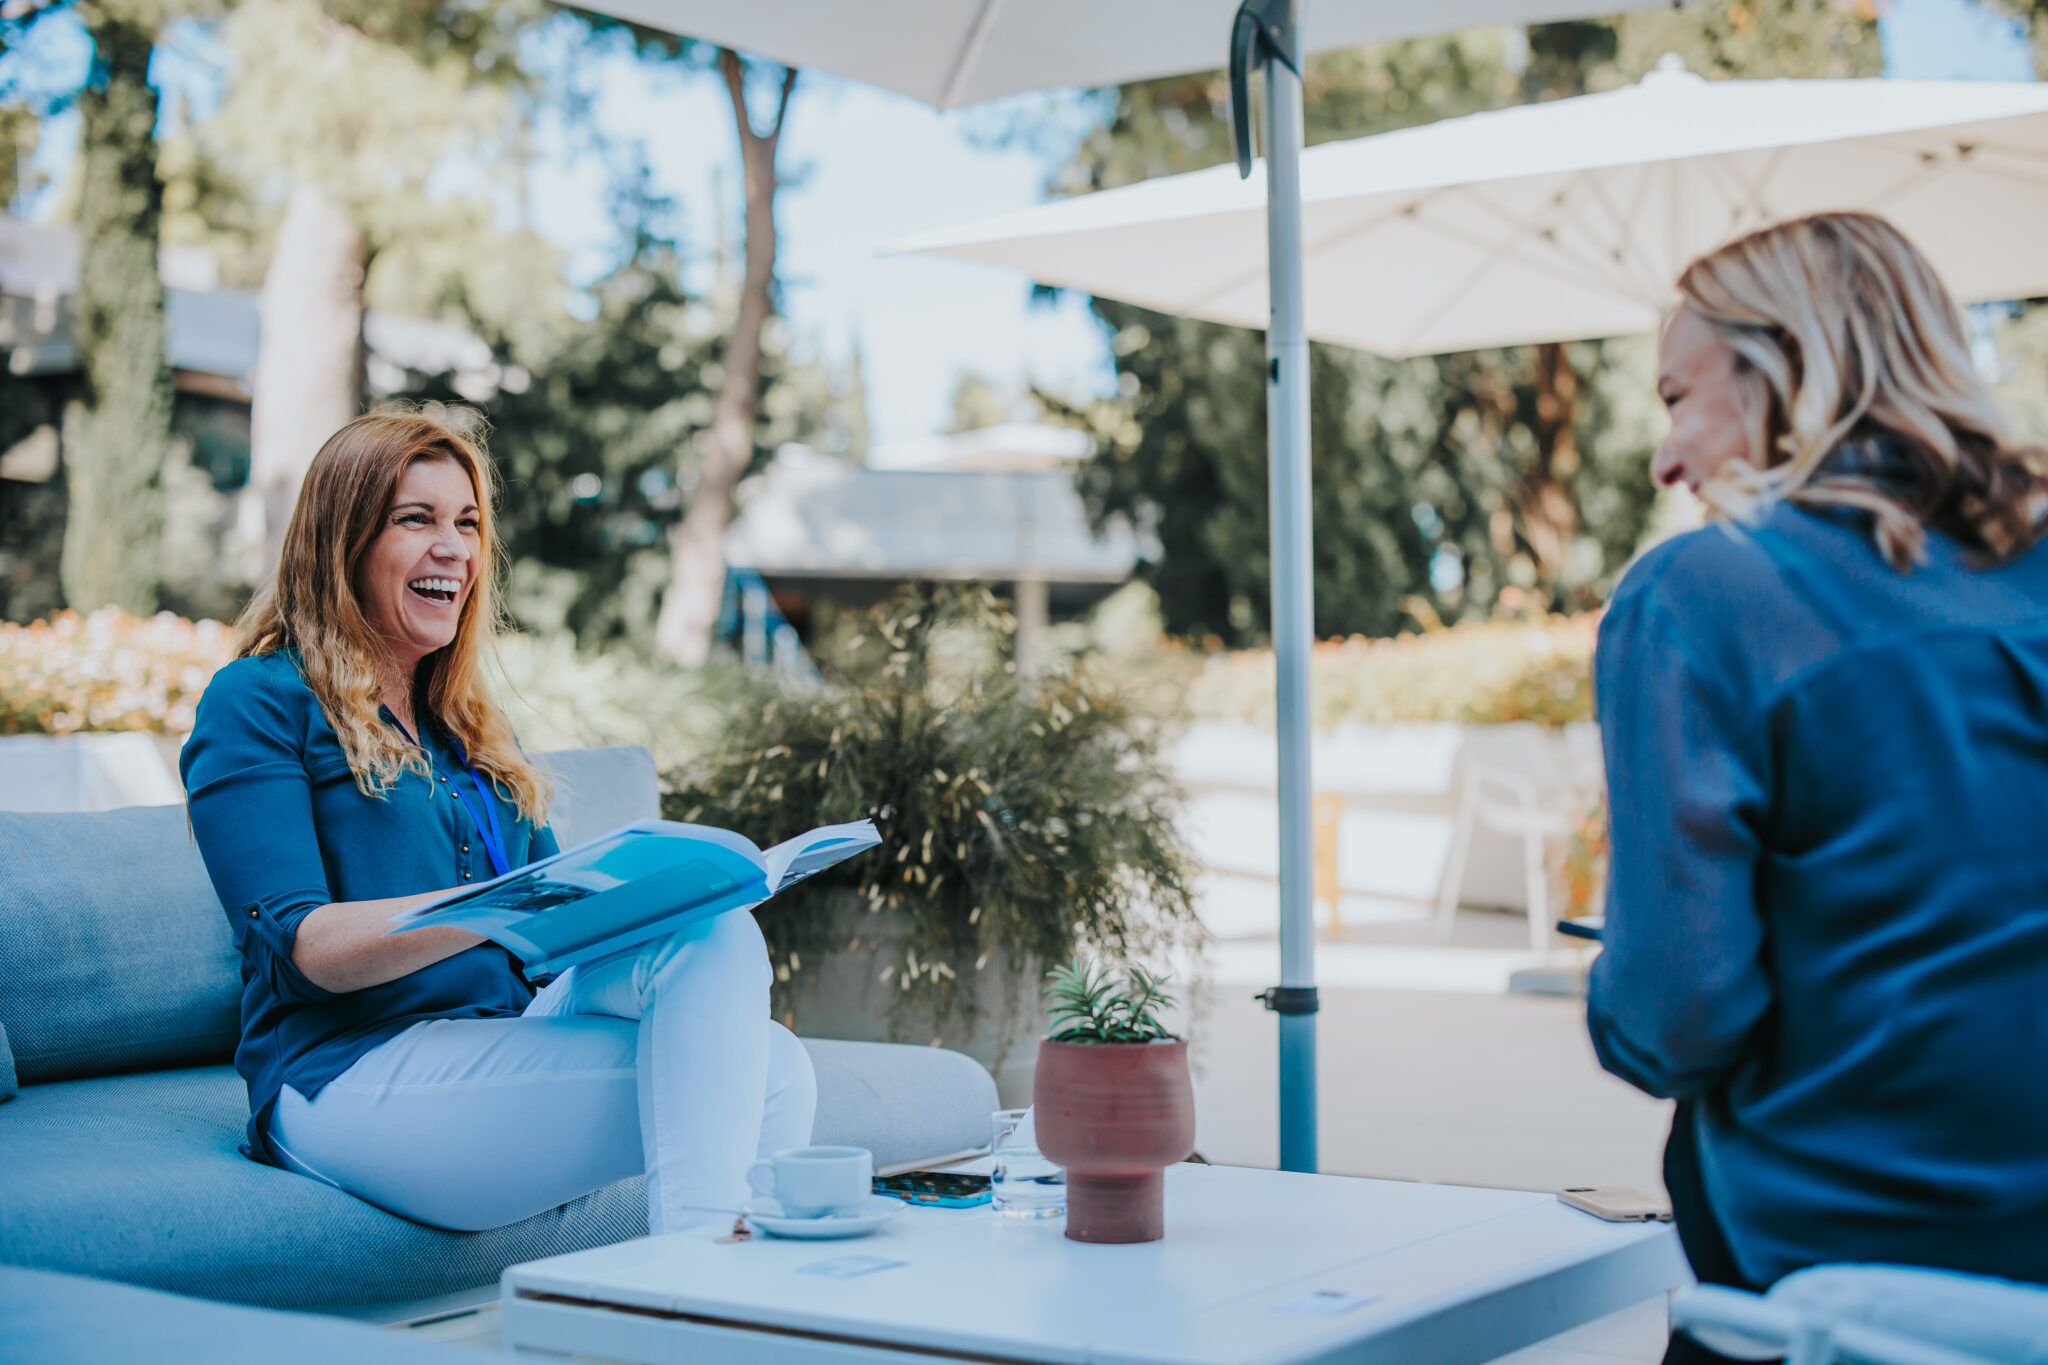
x,y
640,882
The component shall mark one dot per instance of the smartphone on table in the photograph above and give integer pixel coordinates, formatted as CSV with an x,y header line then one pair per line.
x,y
937,1189
1617,1205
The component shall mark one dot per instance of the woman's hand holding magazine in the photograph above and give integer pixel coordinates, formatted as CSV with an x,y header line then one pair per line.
x,y
640,882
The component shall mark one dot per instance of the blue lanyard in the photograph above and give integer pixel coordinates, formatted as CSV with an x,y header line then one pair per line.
x,y
491,836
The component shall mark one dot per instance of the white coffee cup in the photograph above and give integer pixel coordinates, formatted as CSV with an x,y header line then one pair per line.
x,y
816,1182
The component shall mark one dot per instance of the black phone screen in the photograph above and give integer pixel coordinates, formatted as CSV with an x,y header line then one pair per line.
x,y
943,1184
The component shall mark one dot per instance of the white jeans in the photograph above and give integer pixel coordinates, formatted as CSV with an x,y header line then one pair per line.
x,y
659,1059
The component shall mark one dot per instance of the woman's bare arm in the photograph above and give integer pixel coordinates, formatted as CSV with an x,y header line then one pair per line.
x,y
348,945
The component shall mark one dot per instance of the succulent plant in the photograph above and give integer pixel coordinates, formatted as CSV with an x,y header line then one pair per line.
x,y
1088,1003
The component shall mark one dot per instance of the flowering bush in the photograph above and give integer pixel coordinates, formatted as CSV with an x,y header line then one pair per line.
x,y
1477,673
106,671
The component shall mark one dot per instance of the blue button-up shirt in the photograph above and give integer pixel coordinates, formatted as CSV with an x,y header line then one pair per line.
x,y
284,830
1828,914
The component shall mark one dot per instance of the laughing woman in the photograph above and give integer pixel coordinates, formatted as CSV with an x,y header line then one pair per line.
x,y
349,765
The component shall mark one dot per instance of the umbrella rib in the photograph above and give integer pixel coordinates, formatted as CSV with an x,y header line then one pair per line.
x,y
970,53
1589,273
1735,188
1309,249
1759,200
1493,253
2030,177
2029,155
1630,253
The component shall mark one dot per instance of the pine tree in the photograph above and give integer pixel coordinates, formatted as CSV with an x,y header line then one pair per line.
x,y
122,423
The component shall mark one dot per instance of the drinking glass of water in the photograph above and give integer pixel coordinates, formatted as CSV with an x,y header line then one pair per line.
x,y
1025,1184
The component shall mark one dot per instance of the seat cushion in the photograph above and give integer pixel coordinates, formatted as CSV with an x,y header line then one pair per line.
x,y
114,953
910,1106
1974,1316
48,1317
137,1178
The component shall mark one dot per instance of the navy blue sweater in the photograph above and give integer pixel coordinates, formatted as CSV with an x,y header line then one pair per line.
x,y
1828,915
284,830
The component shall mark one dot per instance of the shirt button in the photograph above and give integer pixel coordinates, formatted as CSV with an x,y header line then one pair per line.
x,y
252,912
465,848
465,876
444,779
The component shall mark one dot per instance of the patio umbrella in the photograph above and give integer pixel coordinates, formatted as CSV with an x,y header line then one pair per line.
x,y
1564,220
953,52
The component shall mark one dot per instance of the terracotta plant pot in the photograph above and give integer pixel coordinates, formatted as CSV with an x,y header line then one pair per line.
x,y
1115,1115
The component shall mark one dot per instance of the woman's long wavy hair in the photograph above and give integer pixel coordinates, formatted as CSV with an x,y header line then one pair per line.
x,y
1847,340
311,609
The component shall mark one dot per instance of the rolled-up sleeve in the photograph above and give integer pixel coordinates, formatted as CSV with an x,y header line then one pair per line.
x,y
1680,985
251,807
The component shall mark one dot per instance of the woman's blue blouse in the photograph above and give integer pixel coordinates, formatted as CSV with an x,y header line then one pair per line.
x,y
1827,920
285,830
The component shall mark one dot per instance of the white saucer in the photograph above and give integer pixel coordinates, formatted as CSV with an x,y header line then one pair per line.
x,y
877,1209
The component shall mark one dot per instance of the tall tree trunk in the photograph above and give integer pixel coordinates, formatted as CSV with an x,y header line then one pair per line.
x,y
1550,515
689,608
114,534
309,359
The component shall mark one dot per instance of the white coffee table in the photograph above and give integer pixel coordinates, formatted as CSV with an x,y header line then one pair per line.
x,y
1455,1274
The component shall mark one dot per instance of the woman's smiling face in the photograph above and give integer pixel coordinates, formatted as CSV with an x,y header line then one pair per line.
x,y
421,567
1699,379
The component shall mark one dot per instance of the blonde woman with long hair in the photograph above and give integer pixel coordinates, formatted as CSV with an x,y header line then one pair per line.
x,y
1826,727
347,765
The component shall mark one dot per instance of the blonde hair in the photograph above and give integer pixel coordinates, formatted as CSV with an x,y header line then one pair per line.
x,y
1843,335
310,608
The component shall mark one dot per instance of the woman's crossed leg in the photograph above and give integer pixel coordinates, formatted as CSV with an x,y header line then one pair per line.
x,y
659,1059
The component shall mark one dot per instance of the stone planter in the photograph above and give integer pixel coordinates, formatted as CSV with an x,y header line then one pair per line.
x,y
1115,1115
844,997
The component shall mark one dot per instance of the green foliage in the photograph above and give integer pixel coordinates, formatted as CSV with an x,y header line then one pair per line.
x,y
114,533
1507,478
1474,673
559,697
588,432
1019,823
1416,464
1088,1004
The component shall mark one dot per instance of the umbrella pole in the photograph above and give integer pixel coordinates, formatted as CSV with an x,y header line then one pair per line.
x,y
1287,434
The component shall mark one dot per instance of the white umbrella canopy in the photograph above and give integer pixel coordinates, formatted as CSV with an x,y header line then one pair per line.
x,y
954,52
1564,220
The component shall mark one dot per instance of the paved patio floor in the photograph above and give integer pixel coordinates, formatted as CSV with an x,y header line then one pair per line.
x,y
1458,1086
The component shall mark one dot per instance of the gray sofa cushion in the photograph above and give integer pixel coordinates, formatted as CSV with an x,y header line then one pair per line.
x,y
137,1178
114,954
7,1082
45,1317
910,1106
597,790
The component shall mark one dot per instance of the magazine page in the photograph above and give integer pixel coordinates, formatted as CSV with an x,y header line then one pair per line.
x,y
650,878
793,860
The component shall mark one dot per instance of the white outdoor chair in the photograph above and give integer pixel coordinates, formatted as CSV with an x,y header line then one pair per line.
x,y
1872,1315
1530,784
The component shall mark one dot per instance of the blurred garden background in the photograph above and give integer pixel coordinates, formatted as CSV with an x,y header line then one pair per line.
x,y
736,454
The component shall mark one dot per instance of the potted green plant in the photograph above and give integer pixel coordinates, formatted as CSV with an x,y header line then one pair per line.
x,y
1112,1101
1021,820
